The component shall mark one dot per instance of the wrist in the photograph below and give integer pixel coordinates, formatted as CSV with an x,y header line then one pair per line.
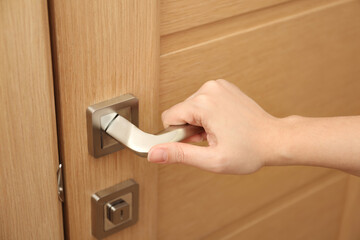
x,y
282,140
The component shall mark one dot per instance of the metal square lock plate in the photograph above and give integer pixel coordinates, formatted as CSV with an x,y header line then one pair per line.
x,y
100,143
114,208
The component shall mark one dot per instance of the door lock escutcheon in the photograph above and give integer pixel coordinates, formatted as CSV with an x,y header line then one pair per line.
x,y
114,208
113,124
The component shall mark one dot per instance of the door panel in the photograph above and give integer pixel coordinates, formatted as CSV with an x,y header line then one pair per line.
x,y
297,216
104,49
292,57
299,58
295,66
351,214
207,202
184,14
239,24
29,205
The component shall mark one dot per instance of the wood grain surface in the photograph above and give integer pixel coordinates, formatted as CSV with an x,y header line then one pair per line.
x,y
104,49
239,24
29,206
292,57
351,214
177,15
302,60
206,202
305,65
311,212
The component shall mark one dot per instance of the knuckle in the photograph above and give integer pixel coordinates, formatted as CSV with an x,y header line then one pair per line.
x,y
211,84
163,115
164,118
179,155
203,104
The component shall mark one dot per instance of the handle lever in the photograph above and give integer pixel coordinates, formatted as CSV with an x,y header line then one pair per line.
x,y
141,142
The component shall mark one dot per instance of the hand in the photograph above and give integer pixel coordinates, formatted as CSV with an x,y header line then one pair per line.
x,y
240,134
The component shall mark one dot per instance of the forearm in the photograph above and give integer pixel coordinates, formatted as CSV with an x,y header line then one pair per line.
x,y
327,142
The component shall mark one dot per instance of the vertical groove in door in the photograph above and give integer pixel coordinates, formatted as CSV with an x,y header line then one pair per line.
x,y
57,107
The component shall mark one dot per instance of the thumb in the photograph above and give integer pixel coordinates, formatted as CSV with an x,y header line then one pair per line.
x,y
201,157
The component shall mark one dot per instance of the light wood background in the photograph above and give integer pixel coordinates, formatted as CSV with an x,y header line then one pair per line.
x,y
29,206
292,57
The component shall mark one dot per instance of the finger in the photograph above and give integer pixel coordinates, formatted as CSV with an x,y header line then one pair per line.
x,y
201,157
200,90
231,87
181,113
196,138
192,95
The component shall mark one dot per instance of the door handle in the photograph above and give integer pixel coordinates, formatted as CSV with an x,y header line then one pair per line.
x,y
141,142
112,124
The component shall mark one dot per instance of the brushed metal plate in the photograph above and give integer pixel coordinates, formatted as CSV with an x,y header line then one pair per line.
x,y
100,143
127,191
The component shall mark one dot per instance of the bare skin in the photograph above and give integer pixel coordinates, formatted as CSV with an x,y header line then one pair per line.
x,y
243,137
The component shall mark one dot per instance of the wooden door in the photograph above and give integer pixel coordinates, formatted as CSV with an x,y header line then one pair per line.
x,y
292,57
29,205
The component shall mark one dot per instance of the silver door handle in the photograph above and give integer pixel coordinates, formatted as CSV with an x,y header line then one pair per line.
x,y
141,142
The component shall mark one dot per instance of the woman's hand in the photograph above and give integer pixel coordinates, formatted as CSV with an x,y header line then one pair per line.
x,y
241,135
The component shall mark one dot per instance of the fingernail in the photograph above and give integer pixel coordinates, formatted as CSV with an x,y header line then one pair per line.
x,y
157,155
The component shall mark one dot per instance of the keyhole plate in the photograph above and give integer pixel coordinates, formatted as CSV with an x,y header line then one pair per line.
x,y
126,192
